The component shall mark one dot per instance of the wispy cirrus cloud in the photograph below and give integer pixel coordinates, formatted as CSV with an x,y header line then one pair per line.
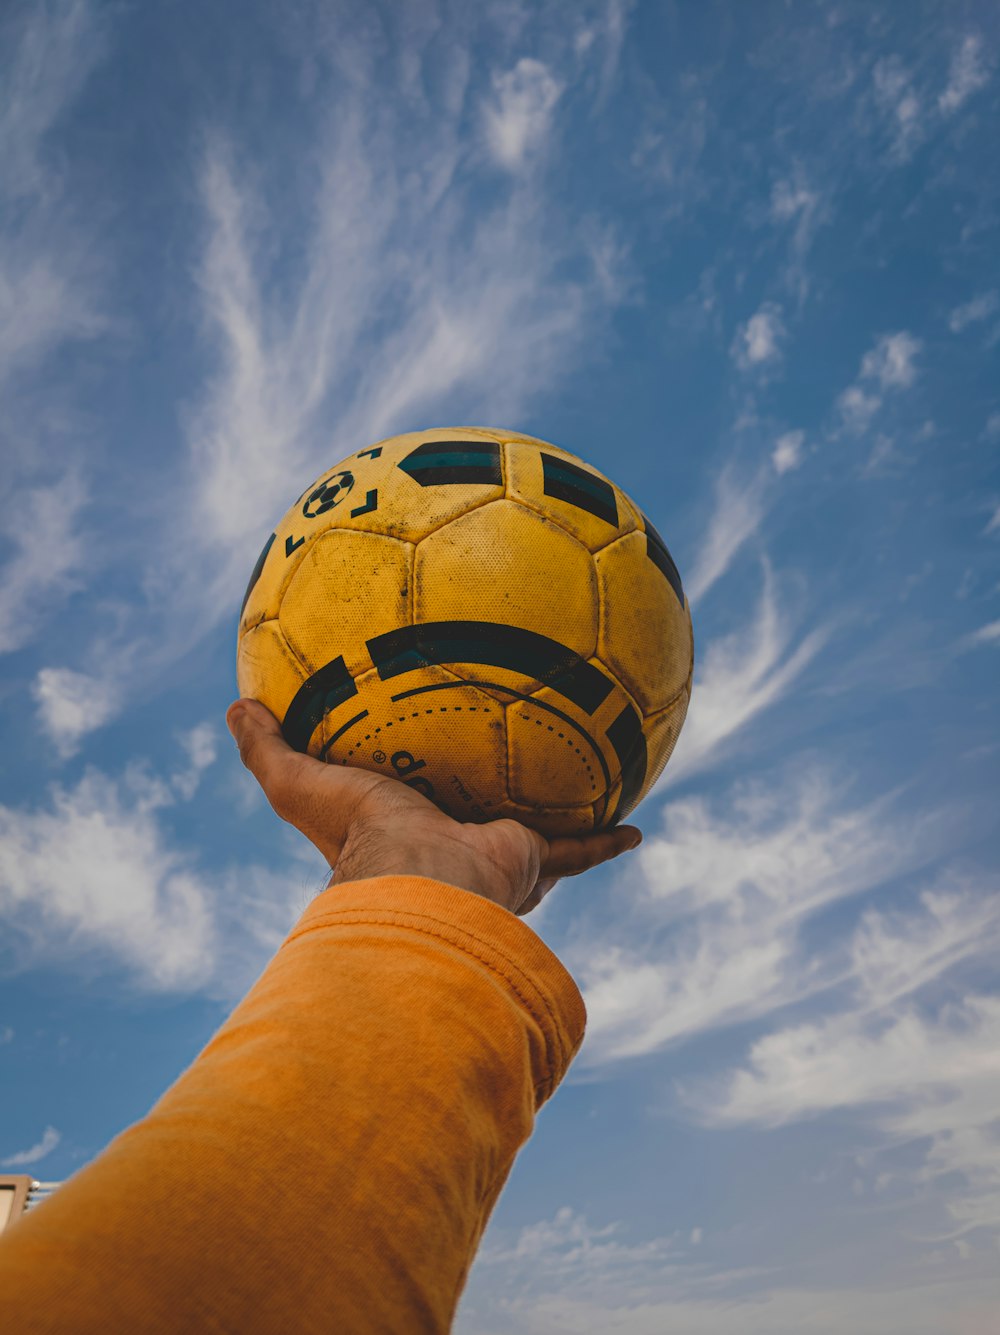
x,y
900,105
419,296
701,1300
729,888
987,634
912,1046
50,297
35,1153
978,308
46,272
567,1253
47,558
904,108
738,511
970,71
738,677
797,205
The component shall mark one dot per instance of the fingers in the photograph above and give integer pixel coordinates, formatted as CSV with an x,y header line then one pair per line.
x,y
320,800
568,856
264,751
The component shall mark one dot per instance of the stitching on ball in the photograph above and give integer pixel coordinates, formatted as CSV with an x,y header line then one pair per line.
x,y
570,743
441,709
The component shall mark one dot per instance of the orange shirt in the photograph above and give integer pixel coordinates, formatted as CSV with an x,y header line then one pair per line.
x,y
329,1162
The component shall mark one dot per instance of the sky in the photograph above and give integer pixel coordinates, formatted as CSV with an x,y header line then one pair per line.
x,y
743,259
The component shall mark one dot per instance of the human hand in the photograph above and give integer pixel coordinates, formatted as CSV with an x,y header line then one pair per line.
x,y
367,824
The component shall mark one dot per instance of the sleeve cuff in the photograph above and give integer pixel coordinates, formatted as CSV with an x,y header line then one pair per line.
x,y
481,928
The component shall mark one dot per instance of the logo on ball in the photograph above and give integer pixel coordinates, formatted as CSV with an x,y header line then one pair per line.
x,y
330,492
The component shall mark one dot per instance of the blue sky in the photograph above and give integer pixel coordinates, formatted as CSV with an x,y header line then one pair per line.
x,y
743,258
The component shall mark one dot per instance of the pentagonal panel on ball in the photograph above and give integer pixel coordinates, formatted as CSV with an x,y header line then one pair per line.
x,y
520,592
267,669
348,588
577,497
645,633
441,735
662,731
553,761
550,821
406,486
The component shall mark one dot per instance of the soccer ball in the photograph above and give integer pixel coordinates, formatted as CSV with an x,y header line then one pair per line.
x,y
481,615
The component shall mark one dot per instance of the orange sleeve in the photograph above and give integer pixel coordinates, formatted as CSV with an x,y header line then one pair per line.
x,y
330,1161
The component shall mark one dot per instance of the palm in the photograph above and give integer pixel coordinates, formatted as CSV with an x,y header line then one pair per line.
x,y
366,824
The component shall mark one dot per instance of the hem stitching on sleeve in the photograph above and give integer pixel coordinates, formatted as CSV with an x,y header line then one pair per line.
x,y
353,916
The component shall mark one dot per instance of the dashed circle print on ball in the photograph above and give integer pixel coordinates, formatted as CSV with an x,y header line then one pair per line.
x,y
481,615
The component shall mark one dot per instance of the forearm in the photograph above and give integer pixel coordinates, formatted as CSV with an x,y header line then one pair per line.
x,y
331,1159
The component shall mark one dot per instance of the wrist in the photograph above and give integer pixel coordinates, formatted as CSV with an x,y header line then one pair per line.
x,y
371,851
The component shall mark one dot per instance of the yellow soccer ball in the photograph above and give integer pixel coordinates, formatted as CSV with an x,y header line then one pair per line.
x,y
481,615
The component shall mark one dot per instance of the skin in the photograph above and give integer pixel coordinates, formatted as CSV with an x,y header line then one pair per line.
x,y
369,825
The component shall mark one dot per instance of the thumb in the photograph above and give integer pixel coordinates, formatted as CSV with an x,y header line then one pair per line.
x,y
263,748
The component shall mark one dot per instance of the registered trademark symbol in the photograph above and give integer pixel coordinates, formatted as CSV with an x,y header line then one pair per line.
x,y
378,757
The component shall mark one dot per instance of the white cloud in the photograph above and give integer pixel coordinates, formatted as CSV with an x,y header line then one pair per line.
x,y
50,1139
736,679
896,952
200,745
568,1253
907,1045
988,634
887,367
669,149
795,203
50,295
45,272
490,306
883,455
979,308
890,361
72,704
934,1077
668,1298
40,524
969,72
994,522
606,37
94,876
788,451
45,300
518,122
792,200
896,99
728,888
6,1034
858,407
94,871
757,343
736,517
569,1242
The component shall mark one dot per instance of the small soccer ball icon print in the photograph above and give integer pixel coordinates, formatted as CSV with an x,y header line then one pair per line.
x,y
328,494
